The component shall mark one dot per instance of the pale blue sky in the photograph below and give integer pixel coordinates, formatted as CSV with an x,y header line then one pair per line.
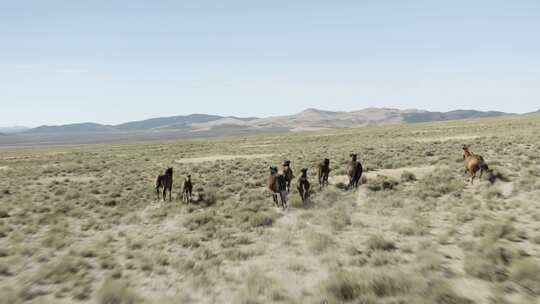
x,y
115,61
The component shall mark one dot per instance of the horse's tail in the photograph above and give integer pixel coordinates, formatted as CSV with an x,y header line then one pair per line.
x,y
484,166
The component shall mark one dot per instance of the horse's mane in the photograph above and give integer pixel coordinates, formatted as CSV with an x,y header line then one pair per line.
x,y
169,171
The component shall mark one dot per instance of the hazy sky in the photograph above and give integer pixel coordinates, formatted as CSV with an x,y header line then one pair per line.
x,y
114,61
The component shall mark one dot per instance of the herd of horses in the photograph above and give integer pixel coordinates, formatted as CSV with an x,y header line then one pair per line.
x,y
165,181
279,181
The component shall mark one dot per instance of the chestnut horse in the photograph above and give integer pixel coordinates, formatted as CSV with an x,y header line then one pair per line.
x,y
323,173
303,185
165,181
354,171
473,164
276,184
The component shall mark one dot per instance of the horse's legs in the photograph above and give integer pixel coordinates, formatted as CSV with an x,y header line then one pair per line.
x,y
157,192
164,193
481,173
170,194
473,175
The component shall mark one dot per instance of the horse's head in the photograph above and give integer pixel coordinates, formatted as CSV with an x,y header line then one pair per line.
x,y
353,156
273,170
169,171
304,171
326,162
189,176
466,151
287,163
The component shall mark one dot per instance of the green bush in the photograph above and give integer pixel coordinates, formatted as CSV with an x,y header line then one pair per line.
x,y
378,242
526,273
116,292
382,183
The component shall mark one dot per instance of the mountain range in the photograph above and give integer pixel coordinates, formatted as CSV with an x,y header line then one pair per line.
x,y
308,119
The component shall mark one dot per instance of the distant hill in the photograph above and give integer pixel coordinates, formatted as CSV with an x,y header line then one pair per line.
x,y
193,121
175,122
309,119
73,128
11,130
426,116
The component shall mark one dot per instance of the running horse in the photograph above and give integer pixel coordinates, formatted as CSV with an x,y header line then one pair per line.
x,y
323,173
276,184
165,181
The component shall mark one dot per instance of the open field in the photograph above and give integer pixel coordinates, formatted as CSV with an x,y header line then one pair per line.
x,y
81,224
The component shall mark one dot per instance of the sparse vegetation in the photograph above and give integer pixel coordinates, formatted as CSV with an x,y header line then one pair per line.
x,y
82,225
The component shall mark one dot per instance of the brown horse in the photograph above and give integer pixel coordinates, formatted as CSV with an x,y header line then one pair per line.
x,y
276,184
354,171
303,185
165,181
187,189
473,164
288,173
323,173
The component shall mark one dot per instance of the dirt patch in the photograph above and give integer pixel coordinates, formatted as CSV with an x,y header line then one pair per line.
x,y
419,172
301,129
4,168
447,138
220,157
78,179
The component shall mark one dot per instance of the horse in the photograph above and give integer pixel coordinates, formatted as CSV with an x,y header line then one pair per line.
x,y
303,185
288,173
165,181
187,189
323,173
276,184
473,164
354,171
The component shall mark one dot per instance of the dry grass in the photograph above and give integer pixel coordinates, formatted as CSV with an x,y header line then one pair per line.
x,y
81,224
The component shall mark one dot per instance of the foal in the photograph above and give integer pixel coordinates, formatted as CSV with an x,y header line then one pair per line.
x,y
187,189
303,185
165,181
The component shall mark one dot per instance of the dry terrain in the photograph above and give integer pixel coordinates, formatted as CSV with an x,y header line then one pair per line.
x,y
81,224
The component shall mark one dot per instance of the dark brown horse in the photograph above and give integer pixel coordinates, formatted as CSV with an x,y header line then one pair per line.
x,y
354,171
165,181
303,185
473,164
276,184
187,189
323,173
287,171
